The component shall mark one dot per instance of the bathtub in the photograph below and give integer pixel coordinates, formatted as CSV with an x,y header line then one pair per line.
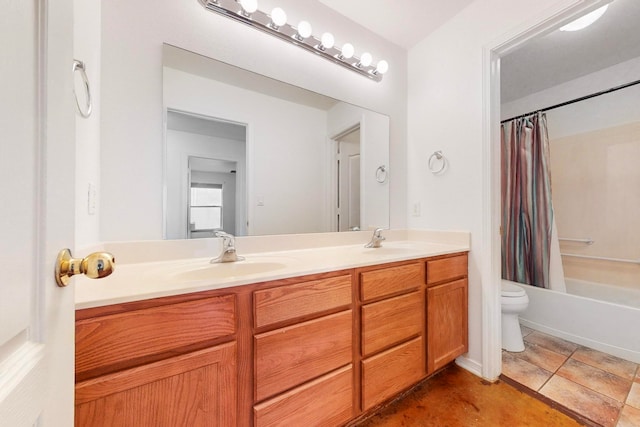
x,y
610,293
605,326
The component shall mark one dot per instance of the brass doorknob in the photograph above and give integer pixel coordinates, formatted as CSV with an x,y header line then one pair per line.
x,y
94,266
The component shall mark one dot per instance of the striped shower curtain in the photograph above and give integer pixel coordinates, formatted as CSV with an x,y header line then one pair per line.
x,y
527,213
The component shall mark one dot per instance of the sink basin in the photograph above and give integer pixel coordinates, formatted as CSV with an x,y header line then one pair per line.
x,y
230,269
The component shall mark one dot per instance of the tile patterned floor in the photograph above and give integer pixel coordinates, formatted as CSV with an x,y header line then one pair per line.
x,y
600,387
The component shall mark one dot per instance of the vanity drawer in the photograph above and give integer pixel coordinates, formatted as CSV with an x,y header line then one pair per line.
x,y
392,371
387,281
391,321
289,302
444,269
131,336
326,401
287,357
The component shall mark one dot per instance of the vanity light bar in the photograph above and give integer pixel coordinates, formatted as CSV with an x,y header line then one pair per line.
x,y
246,11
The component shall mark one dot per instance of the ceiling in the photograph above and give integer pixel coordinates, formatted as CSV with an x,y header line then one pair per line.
x,y
563,56
541,63
403,22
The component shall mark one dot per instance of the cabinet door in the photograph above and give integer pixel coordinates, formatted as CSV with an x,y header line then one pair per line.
x,y
447,336
194,389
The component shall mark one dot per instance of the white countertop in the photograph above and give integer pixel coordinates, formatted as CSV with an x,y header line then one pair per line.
x,y
141,278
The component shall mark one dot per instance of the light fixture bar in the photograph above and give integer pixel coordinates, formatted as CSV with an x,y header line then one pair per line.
x,y
260,20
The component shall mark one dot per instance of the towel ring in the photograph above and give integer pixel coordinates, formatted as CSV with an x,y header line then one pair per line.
x,y
381,174
432,165
79,66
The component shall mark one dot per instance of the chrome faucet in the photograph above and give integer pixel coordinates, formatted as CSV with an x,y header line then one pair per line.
x,y
376,239
228,253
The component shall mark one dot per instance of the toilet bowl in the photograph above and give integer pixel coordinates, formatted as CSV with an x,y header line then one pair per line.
x,y
514,300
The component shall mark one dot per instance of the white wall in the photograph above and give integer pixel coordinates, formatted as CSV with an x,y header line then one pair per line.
x,y
445,105
86,48
131,128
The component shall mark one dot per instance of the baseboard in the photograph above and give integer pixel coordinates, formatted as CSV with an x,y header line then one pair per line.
x,y
470,365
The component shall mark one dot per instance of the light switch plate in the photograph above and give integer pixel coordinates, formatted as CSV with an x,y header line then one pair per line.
x,y
92,198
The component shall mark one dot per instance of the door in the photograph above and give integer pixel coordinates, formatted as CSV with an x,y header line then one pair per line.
x,y
349,181
37,167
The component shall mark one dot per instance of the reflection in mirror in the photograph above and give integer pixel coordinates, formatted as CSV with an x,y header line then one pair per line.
x,y
203,154
285,160
348,158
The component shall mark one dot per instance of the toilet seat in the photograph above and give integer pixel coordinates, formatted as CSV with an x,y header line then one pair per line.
x,y
510,290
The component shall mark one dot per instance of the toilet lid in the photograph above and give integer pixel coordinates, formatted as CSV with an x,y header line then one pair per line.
x,y
511,290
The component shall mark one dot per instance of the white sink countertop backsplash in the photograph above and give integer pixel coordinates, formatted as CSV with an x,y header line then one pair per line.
x,y
152,269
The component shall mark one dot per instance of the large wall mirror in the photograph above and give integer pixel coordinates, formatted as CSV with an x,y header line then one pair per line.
x,y
250,155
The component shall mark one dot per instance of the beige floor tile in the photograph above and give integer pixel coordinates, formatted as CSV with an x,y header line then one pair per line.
x,y
594,406
525,373
542,357
551,343
634,395
606,362
596,379
630,417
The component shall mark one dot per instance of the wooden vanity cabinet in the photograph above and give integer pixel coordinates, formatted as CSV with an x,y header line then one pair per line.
x,y
447,310
315,350
157,365
392,330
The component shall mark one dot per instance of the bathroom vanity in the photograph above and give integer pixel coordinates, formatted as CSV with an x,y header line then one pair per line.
x,y
320,349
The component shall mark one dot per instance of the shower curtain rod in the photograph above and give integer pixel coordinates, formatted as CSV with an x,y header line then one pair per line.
x,y
573,101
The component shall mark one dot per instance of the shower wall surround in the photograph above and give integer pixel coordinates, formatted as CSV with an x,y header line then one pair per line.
x,y
595,179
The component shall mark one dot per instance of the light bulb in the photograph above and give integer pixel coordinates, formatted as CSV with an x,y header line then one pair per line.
x,y
304,29
278,17
249,6
365,59
326,41
382,67
586,20
347,51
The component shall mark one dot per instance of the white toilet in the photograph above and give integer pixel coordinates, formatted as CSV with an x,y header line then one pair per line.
x,y
514,300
